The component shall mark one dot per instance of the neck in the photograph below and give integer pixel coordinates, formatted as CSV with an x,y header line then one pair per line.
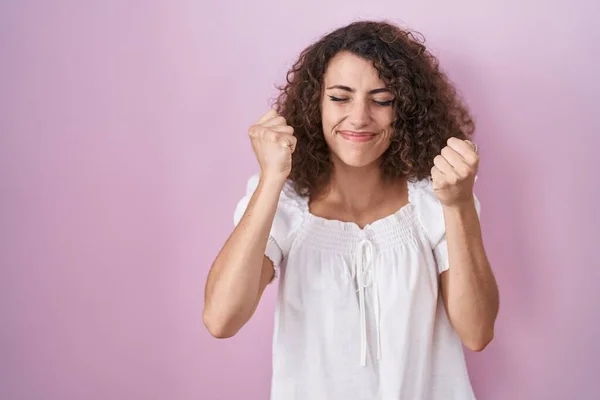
x,y
357,188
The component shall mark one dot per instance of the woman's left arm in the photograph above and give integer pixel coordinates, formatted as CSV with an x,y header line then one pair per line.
x,y
469,289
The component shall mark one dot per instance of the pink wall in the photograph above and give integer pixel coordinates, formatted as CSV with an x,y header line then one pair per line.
x,y
112,114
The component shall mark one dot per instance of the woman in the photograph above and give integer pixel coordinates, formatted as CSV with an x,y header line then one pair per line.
x,y
364,208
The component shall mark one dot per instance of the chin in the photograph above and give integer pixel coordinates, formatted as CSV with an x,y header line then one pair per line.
x,y
357,160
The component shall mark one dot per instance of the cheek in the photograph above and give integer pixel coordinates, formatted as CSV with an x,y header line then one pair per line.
x,y
385,117
385,120
330,117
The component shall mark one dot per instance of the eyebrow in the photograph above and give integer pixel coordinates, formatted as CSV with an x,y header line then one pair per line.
x,y
351,90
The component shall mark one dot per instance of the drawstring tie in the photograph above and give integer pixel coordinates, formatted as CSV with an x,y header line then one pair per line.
x,y
364,272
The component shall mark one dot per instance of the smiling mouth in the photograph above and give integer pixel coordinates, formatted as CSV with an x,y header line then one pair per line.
x,y
360,137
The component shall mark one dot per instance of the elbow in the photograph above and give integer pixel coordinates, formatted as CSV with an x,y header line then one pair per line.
x,y
479,343
218,327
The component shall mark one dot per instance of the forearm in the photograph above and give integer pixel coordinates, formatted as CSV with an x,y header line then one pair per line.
x,y
234,281
472,298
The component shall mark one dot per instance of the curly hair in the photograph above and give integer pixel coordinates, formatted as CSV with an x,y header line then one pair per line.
x,y
428,110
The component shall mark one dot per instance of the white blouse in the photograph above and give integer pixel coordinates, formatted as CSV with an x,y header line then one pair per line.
x,y
358,313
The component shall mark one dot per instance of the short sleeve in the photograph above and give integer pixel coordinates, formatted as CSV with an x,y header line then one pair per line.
x,y
288,217
431,216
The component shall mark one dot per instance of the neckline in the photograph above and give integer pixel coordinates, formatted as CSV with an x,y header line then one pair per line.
x,y
391,219
388,220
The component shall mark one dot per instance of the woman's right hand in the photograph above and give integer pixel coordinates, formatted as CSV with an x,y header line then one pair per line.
x,y
273,143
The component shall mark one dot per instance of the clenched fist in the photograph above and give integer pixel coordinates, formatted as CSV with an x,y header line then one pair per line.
x,y
454,171
273,143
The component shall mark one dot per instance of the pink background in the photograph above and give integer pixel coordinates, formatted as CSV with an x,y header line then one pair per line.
x,y
123,151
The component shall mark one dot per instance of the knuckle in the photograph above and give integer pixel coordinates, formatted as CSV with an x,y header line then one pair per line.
x,y
461,170
253,131
452,140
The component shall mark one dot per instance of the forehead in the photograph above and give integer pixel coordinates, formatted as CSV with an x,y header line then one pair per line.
x,y
351,70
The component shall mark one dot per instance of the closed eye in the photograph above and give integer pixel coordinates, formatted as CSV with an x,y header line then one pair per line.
x,y
345,99
333,98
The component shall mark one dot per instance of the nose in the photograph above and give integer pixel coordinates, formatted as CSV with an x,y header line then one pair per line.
x,y
359,115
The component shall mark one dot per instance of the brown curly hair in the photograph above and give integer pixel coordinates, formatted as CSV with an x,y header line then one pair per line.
x,y
427,108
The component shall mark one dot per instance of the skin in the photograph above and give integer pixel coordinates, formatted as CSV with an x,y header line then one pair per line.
x,y
469,289
241,271
357,124
356,102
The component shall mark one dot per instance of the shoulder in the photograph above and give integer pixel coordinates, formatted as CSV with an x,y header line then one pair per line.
x,y
288,197
291,207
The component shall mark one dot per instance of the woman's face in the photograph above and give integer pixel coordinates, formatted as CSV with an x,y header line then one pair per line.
x,y
356,111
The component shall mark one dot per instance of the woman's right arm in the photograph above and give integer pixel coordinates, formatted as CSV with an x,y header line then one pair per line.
x,y
241,270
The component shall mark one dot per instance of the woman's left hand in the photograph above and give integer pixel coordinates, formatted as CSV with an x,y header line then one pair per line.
x,y
454,171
